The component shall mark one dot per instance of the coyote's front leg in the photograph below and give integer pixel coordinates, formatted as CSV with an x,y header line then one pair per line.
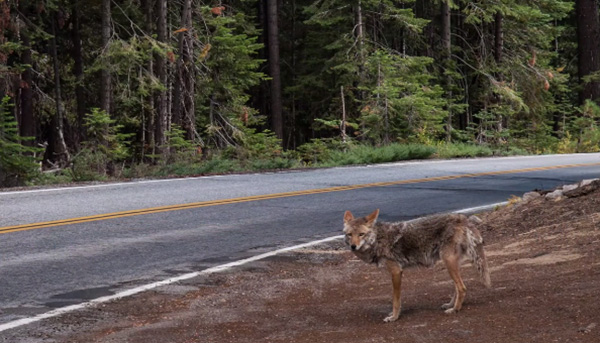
x,y
396,271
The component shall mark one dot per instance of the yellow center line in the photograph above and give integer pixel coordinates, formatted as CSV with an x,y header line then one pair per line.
x,y
151,210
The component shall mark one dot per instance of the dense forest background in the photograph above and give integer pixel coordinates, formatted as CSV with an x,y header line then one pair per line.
x,y
130,88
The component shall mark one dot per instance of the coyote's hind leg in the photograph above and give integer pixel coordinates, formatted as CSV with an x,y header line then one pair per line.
x,y
451,303
452,261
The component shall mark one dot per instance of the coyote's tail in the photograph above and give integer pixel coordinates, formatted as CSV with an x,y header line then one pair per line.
x,y
477,255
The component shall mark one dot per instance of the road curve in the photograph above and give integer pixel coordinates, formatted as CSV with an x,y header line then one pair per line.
x,y
181,225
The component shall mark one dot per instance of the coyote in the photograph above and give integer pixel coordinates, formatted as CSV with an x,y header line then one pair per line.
x,y
422,242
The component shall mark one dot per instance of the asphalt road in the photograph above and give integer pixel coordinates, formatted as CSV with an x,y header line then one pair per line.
x,y
190,224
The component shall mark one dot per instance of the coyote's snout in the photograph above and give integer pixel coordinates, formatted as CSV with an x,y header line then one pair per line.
x,y
452,238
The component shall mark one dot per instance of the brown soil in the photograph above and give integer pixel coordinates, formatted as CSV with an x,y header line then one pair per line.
x,y
544,256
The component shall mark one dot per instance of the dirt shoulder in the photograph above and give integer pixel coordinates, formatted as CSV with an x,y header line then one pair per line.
x,y
544,255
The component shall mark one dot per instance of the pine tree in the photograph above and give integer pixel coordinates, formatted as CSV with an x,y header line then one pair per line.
x,y
495,72
274,68
352,38
588,31
17,161
513,82
105,147
228,69
403,103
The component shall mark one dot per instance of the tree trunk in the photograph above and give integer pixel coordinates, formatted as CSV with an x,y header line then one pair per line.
x,y
61,153
360,30
263,89
360,38
161,71
274,69
105,89
445,29
183,99
190,79
343,126
422,10
78,72
402,40
178,88
149,111
465,117
386,118
27,119
588,31
292,143
498,38
446,53
498,48
5,23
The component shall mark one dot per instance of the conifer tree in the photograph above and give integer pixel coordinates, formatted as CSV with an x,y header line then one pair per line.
x,y
360,60
588,31
17,161
497,72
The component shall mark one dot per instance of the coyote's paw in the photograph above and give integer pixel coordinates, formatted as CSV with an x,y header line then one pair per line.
x,y
448,305
391,318
450,311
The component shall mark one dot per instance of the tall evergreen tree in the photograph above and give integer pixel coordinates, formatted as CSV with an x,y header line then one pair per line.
x,y
161,123
59,153
17,162
78,69
588,31
381,71
274,68
105,78
185,75
27,117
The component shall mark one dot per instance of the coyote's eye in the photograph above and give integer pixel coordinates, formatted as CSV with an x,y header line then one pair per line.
x,y
361,234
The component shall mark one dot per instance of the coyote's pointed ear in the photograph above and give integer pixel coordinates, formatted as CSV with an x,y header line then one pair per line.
x,y
348,217
371,218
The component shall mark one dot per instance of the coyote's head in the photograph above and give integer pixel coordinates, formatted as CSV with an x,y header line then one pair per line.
x,y
359,231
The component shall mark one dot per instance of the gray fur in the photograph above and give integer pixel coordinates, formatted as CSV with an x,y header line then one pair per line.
x,y
419,242
422,242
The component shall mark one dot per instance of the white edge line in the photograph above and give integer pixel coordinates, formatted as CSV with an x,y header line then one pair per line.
x,y
216,269
111,184
143,288
481,208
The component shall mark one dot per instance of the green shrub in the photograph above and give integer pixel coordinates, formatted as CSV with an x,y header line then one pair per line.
x,y
451,150
364,154
17,161
103,152
585,128
272,164
58,177
216,165
139,170
254,145
319,150
511,151
90,165
178,149
589,141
